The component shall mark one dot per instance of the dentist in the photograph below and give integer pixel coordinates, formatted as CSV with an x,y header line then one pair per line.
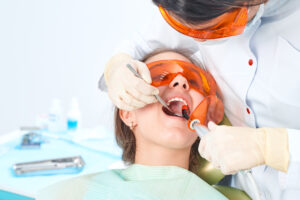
x,y
252,48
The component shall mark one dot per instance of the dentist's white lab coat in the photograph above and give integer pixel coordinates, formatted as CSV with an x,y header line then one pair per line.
x,y
265,93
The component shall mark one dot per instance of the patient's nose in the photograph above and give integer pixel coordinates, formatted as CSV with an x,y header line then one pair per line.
x,y
179,82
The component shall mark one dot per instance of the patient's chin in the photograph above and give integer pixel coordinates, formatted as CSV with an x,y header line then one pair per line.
x,y
179,138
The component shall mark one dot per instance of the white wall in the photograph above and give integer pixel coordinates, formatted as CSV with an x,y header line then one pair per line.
x,y
58,48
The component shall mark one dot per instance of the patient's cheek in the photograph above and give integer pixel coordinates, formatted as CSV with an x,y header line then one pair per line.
x,y
196,98
147,113
147,109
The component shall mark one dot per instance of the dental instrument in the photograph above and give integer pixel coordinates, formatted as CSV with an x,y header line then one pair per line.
x,y
195,123
49,167
159,99
31,140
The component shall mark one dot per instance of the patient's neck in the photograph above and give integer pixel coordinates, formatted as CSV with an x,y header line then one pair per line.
x,y
156,155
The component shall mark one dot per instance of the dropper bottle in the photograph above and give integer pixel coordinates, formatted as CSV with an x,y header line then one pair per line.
x,y
74,116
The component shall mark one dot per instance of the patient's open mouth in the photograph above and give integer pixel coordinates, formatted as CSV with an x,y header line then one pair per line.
x,y
175,104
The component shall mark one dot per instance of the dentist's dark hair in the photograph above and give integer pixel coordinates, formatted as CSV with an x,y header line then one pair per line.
x,y
199,11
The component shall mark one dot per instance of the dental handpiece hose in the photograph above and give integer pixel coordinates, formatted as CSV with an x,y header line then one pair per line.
x,y
202,131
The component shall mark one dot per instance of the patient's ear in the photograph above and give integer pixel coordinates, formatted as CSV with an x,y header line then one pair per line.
x,y
128,117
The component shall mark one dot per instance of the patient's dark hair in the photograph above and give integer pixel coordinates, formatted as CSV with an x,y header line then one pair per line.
x,y
199,11
126,139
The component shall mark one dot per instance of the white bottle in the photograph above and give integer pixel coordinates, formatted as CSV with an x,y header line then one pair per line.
x,y
42,121
74,116
56,122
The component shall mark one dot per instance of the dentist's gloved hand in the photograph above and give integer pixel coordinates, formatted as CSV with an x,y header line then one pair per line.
x,y
233,149
127,91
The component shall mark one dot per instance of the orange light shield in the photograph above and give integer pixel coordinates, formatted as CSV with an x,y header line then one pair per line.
x,y
211,107
231,23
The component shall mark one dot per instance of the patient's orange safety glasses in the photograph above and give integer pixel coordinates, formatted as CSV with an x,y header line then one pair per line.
x,y
231,23
211,107
164,71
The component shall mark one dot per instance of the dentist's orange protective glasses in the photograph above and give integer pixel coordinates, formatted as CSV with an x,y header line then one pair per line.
x,y
211,107
231,23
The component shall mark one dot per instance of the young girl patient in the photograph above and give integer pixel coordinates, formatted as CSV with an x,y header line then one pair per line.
x,y
159,149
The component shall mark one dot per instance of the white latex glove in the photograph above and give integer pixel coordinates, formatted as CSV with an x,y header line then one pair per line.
x,y
127,91
233,149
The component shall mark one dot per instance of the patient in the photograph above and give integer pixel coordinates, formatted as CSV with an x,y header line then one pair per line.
x,y
159,148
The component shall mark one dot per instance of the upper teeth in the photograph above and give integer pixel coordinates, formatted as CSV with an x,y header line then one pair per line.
x,y
176,99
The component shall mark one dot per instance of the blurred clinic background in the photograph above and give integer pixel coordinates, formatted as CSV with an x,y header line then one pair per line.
x,y
57,49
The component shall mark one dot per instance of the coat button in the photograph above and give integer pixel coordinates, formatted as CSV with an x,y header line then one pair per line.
x,y
248,110
250,62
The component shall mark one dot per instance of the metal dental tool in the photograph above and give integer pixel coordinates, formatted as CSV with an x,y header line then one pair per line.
x,y
159,99
31,140
47,167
